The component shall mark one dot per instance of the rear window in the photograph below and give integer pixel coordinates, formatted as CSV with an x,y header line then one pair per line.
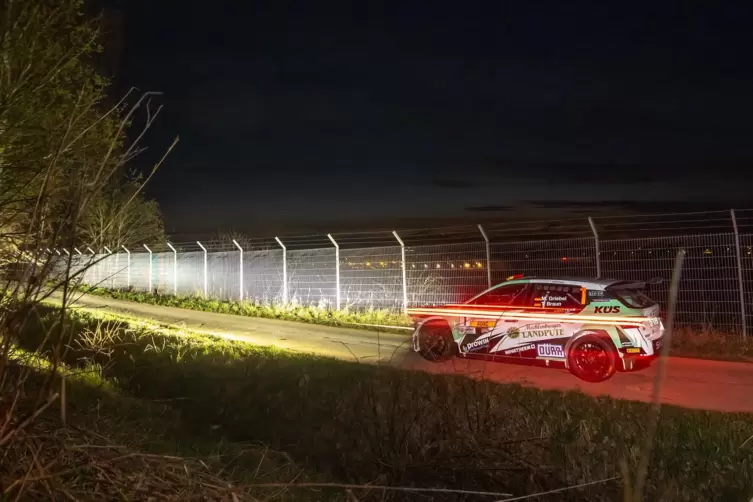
x,y
633,298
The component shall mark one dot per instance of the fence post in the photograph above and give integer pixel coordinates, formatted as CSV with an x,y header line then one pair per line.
x,y
284,270
150,267
337,268
596,243
94,266
241,273
175,268
108,268
128,267
78,261
488,256
403,266
739,274
205,267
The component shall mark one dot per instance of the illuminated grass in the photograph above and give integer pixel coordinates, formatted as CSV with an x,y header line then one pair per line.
x,y
361,423
313,314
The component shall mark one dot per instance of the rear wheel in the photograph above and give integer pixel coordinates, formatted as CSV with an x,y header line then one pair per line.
x,y
435,342
592,358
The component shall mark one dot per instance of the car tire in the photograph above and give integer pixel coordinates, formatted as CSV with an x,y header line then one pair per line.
x,y
592,358
435,343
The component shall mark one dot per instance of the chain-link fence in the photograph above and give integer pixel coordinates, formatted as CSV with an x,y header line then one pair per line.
x,y
433,266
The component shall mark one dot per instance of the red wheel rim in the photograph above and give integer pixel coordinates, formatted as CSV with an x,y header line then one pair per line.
x,y
591,359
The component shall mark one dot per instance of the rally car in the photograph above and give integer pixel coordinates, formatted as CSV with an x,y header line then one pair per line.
x,y
591,326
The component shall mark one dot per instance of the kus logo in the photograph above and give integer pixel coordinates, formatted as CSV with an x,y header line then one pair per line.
x,y
607,310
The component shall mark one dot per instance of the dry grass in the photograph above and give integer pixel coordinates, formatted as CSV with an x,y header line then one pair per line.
x,y
58,463
116,448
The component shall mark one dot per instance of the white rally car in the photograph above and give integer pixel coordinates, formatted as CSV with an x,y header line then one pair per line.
x,y
591,326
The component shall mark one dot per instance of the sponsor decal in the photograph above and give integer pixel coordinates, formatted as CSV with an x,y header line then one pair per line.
x,y
657,344
467,330
476,344
542,325
550,351
595,293
513,333
552,332
607,310
633,351
520,349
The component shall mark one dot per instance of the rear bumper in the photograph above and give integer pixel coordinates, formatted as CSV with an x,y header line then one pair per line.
x,y
634,358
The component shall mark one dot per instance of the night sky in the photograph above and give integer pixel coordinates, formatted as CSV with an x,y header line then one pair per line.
x,y
303,116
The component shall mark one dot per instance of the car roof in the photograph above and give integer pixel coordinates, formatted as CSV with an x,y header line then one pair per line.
x,y
587,282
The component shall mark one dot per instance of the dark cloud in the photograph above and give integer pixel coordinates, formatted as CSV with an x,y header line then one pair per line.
x,y
455,184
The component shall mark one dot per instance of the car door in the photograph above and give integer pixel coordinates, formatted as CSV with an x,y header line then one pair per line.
x,y
545,338
506,341
480,333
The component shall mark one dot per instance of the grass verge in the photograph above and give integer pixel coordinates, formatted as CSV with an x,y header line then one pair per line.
x,y
364,424
313,314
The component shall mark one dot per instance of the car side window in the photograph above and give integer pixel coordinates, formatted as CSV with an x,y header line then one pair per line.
x,y
561,296
503,295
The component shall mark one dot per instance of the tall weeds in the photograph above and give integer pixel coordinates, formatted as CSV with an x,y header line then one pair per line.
x,y
63,146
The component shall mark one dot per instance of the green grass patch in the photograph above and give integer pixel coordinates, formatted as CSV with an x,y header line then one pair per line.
x,y
710,344
372,424
314,314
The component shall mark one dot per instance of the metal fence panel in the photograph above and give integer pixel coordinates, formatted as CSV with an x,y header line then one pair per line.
x,y
371,277
311,275
262,275
223,276
191,273
708,290
555,258
140,271
162,277
445,273
746,258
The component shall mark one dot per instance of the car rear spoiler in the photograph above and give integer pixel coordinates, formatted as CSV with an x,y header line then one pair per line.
x,y
635,284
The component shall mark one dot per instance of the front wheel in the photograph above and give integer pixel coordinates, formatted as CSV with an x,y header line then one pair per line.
x,y
592,358
435,343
